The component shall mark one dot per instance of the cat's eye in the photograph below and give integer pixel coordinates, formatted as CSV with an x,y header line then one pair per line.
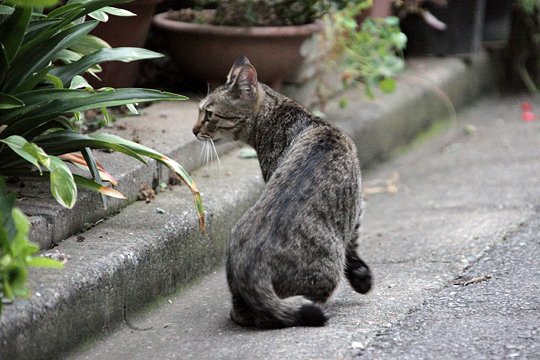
x,y
208,115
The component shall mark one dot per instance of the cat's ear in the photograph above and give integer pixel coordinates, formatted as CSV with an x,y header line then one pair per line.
x,y
245,84
237,66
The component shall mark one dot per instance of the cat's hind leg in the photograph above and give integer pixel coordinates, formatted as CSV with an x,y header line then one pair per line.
x,y
241,312
356,270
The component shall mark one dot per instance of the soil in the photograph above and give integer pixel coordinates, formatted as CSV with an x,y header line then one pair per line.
x,y
193,16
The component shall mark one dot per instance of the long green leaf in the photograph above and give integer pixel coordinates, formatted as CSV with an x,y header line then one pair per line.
x,y
67,56
93,5
59,122
92,166
54,80
117,11
146,151
99,15
124,54
63,187
171,164
94,186
69,13
62,11
28,151
65,141
43,53
13,29
52,102
4,64
6,10
38,25
65,14
89,44
29,3
9,102
33,80
43,262
62,142
78,82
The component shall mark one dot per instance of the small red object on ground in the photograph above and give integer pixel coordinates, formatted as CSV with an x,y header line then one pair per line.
x,y
527,115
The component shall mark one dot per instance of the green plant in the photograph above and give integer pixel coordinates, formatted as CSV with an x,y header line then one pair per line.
x,y
42,94
370,53
269,12
16,251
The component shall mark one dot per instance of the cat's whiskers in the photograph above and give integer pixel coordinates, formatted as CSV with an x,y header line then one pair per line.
x,y
208,152
203,147
207,155
217,157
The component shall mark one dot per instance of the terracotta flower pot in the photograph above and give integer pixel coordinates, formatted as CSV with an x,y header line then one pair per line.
x,y
206,52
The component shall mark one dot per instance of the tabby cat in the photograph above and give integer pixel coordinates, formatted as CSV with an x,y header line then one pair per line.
x,y
288,251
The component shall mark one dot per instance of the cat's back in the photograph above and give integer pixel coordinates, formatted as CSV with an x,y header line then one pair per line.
x,y
322,150
319,179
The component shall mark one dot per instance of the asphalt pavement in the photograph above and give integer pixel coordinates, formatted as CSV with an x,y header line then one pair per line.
x,y
451,233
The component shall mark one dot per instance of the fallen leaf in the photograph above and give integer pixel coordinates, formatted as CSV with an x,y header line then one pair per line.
x,y
146,193
474,280
389,186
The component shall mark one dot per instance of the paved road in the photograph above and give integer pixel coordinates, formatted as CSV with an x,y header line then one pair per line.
x,y
491,312
455,253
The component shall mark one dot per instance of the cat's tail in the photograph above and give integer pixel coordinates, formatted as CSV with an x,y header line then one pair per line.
x,y
275,312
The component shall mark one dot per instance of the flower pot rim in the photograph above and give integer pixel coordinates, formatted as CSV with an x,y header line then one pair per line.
x,y
163,21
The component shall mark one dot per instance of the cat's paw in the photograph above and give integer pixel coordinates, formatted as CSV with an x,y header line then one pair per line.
x,y
242,319
360,279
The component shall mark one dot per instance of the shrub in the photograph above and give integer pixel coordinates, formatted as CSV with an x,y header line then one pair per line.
x,y
16,252
42,92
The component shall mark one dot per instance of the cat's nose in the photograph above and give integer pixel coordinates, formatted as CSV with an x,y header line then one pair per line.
x,y
196,131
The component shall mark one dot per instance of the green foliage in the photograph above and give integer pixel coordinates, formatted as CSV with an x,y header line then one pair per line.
x,y
529,6
16,251
42,93
30,3
271,12
371,54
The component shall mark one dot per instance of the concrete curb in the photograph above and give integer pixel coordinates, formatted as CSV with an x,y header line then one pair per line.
x,y
149,250
126,262
165,127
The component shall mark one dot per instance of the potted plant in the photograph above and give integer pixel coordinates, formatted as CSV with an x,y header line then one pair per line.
x,y
44,95
204,42
442,27
365,44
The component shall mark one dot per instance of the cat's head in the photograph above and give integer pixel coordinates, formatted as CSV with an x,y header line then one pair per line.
x,y
227,111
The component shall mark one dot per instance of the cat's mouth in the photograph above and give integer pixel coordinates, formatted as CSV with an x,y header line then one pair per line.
x,y
206,137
